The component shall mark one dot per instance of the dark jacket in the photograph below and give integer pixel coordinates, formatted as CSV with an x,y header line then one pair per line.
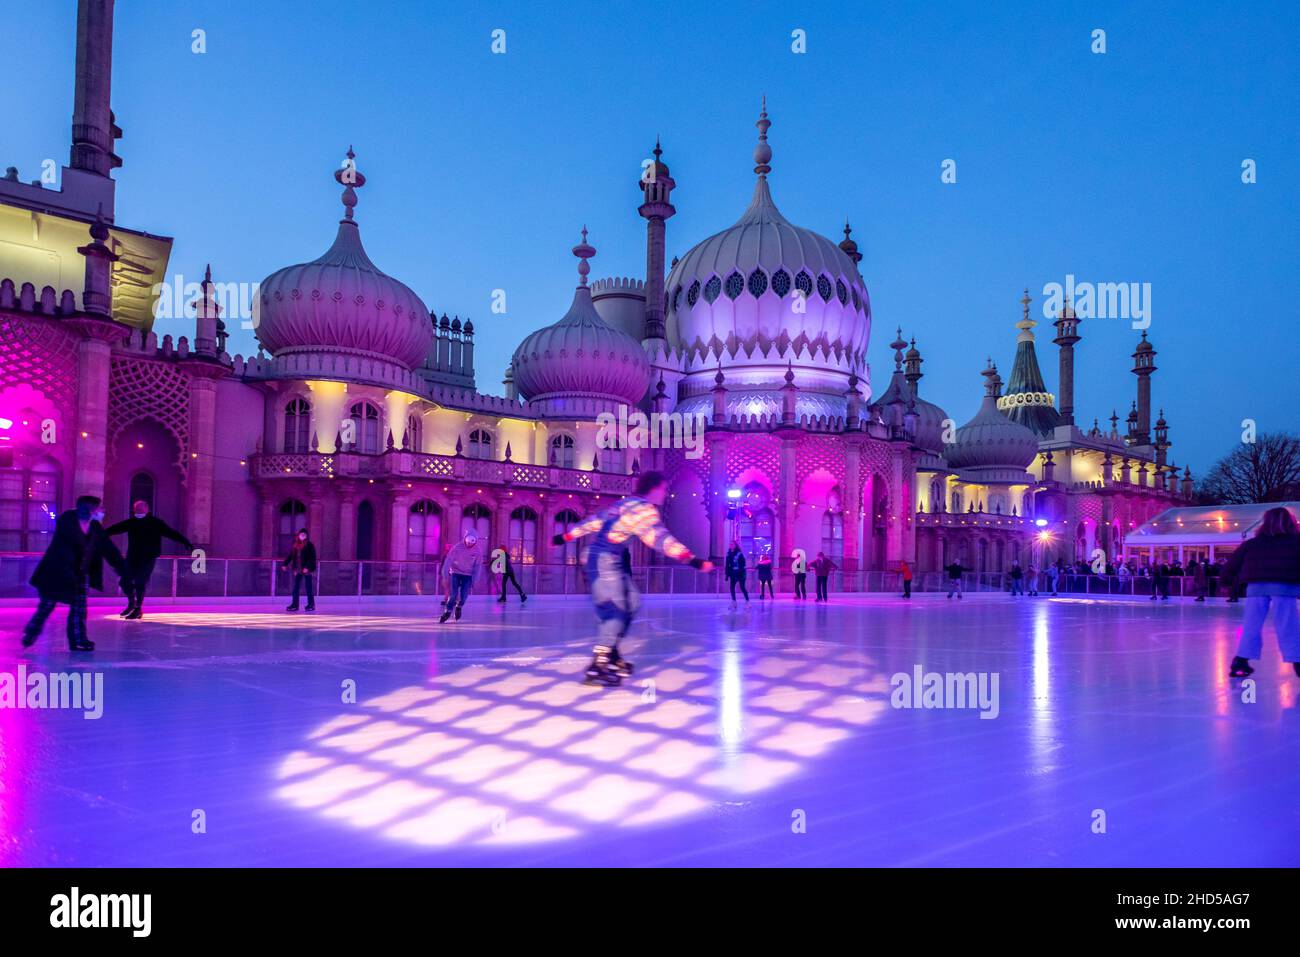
x,y
306,558
954,570
74,559
764,571
823,567
144,538
735,563
1265,558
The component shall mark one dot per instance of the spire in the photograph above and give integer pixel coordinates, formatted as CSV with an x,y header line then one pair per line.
x,y
848,245
351,179
912,363
763,152
898,345
584,251
1027,400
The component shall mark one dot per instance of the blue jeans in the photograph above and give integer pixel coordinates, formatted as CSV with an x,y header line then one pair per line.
x,y
1259,597
460,586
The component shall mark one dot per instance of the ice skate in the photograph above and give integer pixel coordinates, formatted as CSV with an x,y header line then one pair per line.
x,y
620,664
602,670
458,612
81,644
442,620
1241,668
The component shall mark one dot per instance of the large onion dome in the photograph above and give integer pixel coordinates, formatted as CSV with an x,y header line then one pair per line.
x,y
765,291
341,303
581,357
991,442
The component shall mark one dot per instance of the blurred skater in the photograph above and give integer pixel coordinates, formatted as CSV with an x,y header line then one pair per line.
x,y
1268,566
612,590
73,562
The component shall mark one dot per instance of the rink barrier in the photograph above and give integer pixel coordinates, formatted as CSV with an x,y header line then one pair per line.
x,y
263,577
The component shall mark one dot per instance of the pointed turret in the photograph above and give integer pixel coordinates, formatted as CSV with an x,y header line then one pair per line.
x,y
1027,400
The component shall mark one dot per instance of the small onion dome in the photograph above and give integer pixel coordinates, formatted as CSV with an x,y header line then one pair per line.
x,y
990,440
900,398
342,302
581,356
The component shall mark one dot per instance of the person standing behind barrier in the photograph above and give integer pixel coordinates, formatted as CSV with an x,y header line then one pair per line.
x,y
1199,579
800,568
1053,574
954,578
736,571
906,571
823,567
765,576
1031,579
1268,567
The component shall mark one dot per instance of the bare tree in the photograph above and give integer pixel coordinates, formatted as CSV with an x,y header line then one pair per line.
x,y
1266,470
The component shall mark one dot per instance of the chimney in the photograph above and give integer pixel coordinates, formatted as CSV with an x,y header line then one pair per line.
x,y
93,129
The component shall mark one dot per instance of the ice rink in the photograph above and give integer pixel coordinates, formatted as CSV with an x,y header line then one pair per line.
x,y
760,736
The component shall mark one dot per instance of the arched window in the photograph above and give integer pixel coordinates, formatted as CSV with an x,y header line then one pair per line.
x,y
754,529
293,516
480,444
477,519
562,451
141,490
833,535
612,458
414,433
568,552
936,496
956,501
364,417
29,507
297,426
424,532
522,536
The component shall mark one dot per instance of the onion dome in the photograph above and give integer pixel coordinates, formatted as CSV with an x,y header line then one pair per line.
x,y
900,398
734,293
991,442
1027,400
581,356
342,303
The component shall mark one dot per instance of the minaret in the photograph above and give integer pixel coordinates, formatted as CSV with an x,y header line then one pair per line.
x,y
657,209
209,330
912,363
849,246
1067,334
1144,363
1132,424
1162,438
93,129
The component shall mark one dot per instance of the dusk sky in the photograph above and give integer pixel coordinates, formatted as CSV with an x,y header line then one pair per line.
x,y
1117,167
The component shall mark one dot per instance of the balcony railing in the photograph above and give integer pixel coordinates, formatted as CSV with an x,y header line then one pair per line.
x,y
174,577
408,465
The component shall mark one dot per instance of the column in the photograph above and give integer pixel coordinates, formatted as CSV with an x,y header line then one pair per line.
x,y
91,436
202,461
347,527
266,526
397,527
852,505
716,493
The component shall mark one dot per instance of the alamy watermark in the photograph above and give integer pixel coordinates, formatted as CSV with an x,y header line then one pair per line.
x,y
633,429
179,299
36,691
948,690
1101,300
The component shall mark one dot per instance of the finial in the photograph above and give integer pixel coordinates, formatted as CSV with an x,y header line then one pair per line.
x,y
657,151
789,373
719,378
351,179
584,251
1025,303
763,152
207,274
898,345
660,392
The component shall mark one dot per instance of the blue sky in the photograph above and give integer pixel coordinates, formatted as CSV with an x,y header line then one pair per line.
x,y
482,168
